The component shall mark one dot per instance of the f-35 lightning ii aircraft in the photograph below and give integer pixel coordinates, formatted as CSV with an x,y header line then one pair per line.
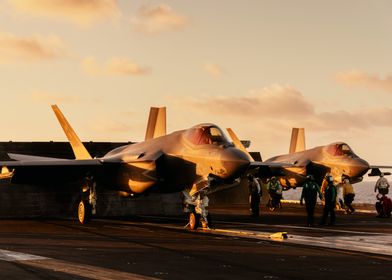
x,y
184,160
338,159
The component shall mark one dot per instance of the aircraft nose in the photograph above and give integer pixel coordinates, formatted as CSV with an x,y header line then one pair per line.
x,y
362,166
235,161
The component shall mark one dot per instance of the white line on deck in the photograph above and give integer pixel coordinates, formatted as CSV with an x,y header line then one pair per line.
x,y
82,270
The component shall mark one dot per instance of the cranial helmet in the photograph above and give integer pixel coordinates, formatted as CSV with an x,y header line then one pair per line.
x,y
310,177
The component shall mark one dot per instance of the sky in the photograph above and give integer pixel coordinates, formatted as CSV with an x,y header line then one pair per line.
x,y
259,67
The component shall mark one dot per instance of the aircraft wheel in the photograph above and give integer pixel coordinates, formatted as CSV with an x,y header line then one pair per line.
x,y
194,220
84,212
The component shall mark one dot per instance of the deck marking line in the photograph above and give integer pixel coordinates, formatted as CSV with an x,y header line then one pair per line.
x,y
87,271
11,256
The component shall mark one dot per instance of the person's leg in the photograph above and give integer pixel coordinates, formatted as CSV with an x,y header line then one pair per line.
x,y
325,214
308,212
332,213
254,204
312,205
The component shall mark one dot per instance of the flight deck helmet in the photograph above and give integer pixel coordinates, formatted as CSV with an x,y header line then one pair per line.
x,y
310,177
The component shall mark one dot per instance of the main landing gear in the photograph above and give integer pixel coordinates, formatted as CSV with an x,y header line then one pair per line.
x,y
84,212
87,207
195,220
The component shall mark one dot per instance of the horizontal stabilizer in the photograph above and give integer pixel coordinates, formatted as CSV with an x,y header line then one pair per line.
x,y
246,143
78,148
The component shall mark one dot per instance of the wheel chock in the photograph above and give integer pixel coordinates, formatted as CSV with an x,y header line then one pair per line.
x,y
279,235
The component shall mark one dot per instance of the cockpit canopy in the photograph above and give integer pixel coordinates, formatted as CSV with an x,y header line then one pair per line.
x,y
205,134
340,149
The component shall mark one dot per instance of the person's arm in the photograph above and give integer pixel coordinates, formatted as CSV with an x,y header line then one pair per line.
x,y
257,185
301,201
319,191
335,194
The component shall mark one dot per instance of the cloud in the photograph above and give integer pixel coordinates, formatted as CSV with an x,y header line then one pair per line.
x,y
356,78
157,19
124,66
117,66
83,12
30,48
274,101
52,98
213,69
360,119
278,108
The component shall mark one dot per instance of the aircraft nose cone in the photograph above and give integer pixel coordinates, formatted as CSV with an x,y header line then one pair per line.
x,y
235,161
362,166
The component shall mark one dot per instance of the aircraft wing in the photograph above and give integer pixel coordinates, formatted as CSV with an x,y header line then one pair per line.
x,y
272,164
380,166
44,170
33,169
375,170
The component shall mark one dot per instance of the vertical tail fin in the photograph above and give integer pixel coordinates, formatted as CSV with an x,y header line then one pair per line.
x,y
297,143
156,125
77,146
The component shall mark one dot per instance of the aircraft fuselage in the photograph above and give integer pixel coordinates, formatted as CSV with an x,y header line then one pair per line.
x,y
171,162
336,158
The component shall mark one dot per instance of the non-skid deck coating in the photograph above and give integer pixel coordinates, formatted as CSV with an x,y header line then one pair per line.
x,y
160,248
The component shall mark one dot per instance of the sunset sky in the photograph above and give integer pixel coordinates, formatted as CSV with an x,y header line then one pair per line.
x,y
260,67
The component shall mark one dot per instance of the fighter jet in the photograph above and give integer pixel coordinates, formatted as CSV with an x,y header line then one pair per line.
x,y
337,159
186,160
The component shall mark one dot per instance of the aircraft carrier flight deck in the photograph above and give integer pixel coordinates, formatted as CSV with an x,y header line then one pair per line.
x,y
237,246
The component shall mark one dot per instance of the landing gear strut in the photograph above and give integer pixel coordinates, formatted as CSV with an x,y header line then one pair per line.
x,y
87,208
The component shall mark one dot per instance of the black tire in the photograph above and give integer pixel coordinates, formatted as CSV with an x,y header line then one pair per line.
x,y
194,220
84,212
